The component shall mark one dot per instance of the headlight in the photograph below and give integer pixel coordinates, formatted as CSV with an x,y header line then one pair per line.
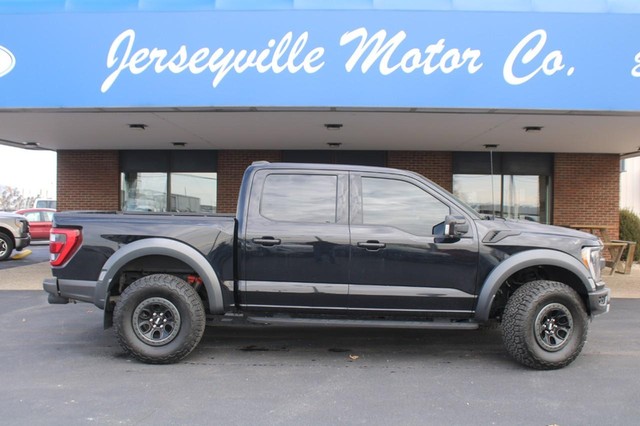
x,y
22,225
592,259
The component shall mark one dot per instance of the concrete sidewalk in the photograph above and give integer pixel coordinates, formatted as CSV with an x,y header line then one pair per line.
x,y
30,278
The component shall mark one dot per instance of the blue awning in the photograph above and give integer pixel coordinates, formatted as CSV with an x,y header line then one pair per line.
x,y
555,6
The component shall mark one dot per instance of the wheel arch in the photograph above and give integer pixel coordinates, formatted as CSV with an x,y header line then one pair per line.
x,y
8,233
150,247
560,262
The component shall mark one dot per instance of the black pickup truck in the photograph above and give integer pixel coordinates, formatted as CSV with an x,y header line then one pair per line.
x,y
331,245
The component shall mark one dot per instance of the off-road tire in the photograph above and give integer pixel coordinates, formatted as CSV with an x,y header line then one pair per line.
x,y
562,325
6,246
159,319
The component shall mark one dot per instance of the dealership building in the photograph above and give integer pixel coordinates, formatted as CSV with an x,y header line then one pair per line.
x,y
523,108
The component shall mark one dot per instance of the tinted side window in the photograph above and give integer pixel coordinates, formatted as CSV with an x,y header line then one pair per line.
x,y
400,204
300,198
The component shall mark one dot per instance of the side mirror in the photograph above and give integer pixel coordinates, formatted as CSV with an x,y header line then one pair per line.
x,y
455,226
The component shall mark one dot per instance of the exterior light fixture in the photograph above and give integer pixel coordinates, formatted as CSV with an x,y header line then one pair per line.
x,y
532,129
334,144
138,126
491,145
333,126
179,144
31,144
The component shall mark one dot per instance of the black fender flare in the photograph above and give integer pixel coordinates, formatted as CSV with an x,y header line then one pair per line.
x,y
160,247
523,260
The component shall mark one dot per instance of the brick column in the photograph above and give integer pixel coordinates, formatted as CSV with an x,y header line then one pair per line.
x,y
88,180
586,190
434,165
231,167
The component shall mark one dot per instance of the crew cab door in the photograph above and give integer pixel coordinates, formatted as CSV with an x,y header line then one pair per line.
x,y
295,249
401,262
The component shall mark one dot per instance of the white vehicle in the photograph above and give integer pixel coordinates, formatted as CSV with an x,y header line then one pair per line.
x,y
14,234
45,203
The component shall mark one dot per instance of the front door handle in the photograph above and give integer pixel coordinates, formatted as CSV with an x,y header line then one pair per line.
x,y
267,241
372,245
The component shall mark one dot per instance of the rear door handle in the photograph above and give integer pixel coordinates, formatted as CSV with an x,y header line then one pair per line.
x,y
267,241
372,245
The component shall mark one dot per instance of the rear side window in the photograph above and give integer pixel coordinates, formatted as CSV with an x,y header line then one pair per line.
x,y
300,198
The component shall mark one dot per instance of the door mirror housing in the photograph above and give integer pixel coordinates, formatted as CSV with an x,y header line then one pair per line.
x,y
455,226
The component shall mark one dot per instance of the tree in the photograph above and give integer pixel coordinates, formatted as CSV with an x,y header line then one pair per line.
x,y
12,199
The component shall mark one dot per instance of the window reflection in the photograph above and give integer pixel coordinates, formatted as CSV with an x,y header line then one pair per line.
x,y
400,204
189,192
300,198
514,197
193,192
144,192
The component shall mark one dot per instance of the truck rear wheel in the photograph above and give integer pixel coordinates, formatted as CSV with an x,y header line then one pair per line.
x,y
159,319
544,325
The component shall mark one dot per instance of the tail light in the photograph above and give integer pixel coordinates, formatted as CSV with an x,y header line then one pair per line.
x,y
63,243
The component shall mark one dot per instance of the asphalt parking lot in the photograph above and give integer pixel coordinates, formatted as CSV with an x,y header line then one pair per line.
x,y
39,253
60,367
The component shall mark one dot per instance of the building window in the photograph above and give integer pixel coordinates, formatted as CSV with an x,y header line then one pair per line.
x,y
175,181
193,192
518,188
144,191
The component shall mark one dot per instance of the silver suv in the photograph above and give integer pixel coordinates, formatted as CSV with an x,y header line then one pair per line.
x,y
14,233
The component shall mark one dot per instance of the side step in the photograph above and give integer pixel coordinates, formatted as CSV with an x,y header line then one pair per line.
x,y
321,322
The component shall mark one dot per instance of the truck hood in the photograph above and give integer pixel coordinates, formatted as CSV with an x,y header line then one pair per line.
x,y
12,215
512,227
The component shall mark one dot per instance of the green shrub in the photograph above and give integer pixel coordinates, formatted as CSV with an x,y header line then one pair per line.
x,y
630,229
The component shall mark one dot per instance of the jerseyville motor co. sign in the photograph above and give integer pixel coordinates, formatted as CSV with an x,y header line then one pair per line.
x,y
315,59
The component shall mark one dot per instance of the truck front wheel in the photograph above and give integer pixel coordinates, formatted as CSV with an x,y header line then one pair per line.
x,y
6,246
544,325
159,319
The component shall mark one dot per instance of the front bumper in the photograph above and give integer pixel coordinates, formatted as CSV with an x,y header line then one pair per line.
x,y
22,242
600,301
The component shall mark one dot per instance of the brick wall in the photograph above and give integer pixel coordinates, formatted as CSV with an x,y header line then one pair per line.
x,y
586,190
434,165
231,167
88,180
586,186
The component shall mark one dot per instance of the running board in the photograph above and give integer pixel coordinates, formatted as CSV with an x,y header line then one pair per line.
x,y
430,325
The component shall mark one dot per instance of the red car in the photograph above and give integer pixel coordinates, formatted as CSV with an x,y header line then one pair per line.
x,y
39,222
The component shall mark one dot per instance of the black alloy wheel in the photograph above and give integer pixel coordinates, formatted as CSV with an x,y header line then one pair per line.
x,y
159,319
545,325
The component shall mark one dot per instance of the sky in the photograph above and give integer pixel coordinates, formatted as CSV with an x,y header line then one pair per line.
x,y
32,172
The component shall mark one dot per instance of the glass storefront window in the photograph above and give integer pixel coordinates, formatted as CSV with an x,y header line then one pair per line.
x,y
475,190
522,198
144,191
193,192
514,196
189,192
